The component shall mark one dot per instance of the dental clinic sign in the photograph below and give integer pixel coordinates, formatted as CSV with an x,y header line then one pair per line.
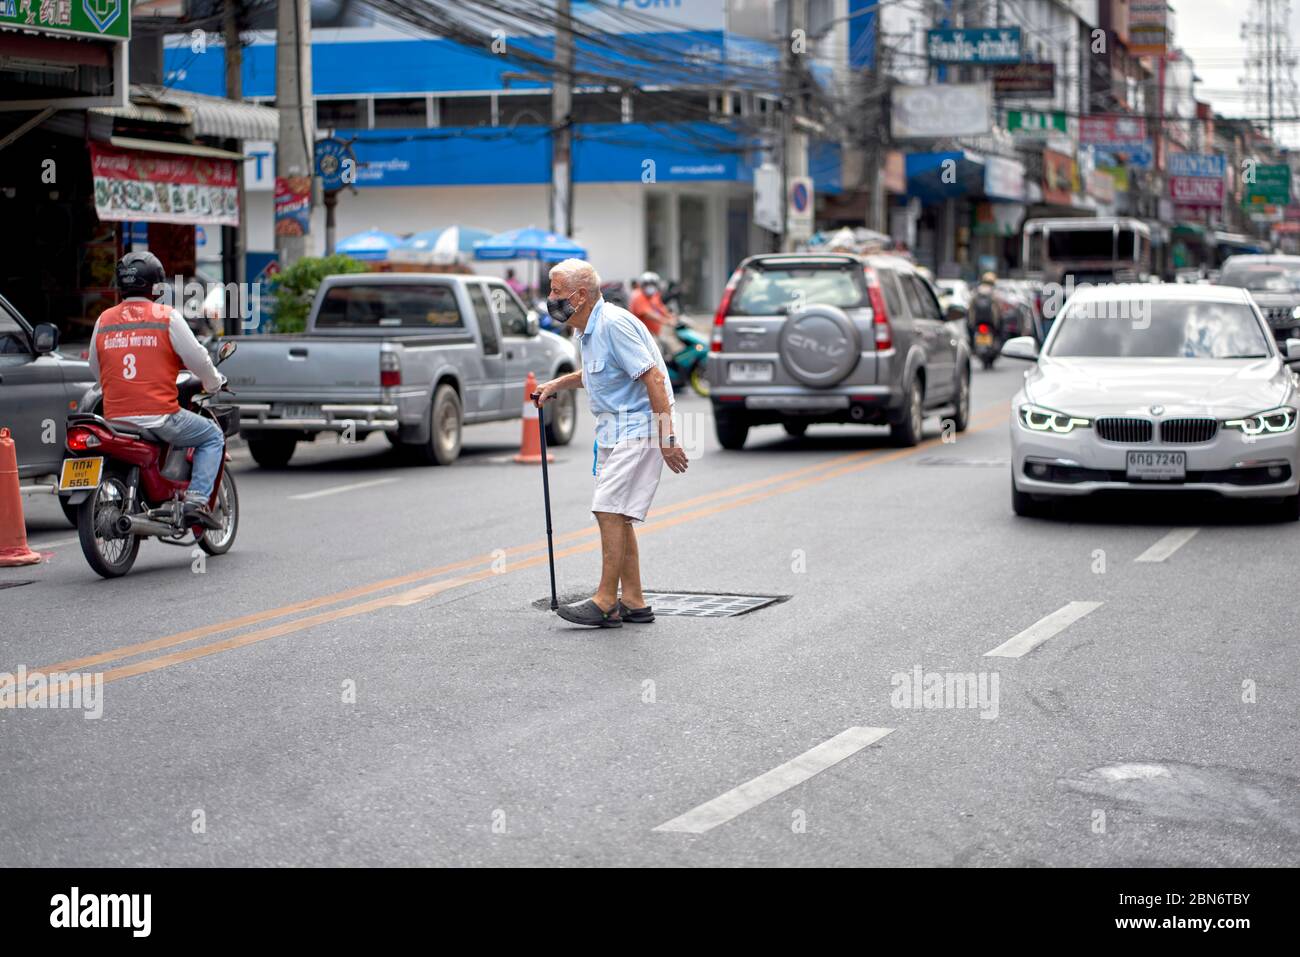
x,y
1001,45
104,19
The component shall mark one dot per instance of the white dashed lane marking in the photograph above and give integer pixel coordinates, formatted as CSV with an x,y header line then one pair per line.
x,y
1167,545
337,489
780,779
1041,630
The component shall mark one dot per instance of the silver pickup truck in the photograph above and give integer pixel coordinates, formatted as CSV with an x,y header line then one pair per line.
x,y
413,355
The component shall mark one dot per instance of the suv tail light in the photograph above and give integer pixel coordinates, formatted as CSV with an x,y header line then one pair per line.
x,y
390,369
884,332
715,341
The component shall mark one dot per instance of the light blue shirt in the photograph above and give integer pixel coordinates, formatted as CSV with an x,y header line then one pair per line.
x,y
617,349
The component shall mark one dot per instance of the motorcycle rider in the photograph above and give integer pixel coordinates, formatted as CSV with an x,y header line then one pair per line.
x,y
648,306
140,346
984,305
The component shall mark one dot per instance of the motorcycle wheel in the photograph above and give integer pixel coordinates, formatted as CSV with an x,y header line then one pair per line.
x,y
217,541
110,555
987,362
699,380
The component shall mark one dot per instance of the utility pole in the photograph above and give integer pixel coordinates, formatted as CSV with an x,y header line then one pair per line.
x,y
794,143
232,237
293,98
562,124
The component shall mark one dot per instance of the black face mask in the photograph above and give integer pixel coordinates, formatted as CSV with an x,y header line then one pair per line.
x,y
561,310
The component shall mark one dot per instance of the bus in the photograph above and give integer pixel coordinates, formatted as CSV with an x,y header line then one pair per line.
x,y
1093,250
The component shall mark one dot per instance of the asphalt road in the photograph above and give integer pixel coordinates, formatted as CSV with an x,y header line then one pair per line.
x,y
365,678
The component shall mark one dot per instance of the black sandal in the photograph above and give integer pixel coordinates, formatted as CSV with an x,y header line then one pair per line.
x,y
589,613
638,616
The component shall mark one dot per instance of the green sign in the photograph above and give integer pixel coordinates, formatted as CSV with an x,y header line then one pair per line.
x,y
1027,123
1272,186
110,19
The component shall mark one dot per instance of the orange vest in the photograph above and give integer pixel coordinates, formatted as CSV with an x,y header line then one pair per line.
x,y
137,364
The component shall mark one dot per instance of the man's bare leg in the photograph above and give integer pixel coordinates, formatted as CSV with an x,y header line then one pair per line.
x,y
630,576
613,545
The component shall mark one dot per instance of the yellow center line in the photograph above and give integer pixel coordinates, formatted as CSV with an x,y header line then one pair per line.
x,y
850,464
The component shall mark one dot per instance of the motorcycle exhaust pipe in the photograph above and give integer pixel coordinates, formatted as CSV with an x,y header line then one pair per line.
x,y
139,525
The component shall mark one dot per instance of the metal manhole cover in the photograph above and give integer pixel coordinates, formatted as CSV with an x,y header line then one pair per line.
x,y
686,604
696,605
15,584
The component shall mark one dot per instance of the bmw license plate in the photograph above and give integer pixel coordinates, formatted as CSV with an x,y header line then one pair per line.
x,y
749,372
1157,466
78,474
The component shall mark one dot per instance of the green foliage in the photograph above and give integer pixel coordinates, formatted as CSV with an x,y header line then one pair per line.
x,y
295,287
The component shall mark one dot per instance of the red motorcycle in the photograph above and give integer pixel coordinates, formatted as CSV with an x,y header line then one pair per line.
x,y
128,485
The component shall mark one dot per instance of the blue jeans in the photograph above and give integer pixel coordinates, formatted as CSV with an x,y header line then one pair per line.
x,y
191,431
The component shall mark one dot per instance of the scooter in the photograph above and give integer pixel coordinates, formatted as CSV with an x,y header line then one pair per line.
x,y
128,485
987,343
688,363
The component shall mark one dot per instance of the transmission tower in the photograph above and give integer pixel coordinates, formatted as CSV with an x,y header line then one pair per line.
x,y
1270,61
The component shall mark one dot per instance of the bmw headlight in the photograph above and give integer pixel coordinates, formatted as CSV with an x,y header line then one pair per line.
x,y
1281,419
1037,419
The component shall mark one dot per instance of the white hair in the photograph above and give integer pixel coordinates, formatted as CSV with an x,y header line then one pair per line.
x,y
577,274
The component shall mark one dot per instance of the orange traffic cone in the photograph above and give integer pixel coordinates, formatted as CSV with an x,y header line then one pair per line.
x,y
530,443
13,529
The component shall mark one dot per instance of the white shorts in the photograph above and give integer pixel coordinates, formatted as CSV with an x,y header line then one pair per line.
x,y
627,476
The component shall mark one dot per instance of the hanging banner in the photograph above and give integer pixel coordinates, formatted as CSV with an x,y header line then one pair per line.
x,y
1272,186
1207,165
941,110
1113,131
292,205
1024,79
1196,190
136,186
92,19
1001,45
1060,178
1148,30
1040,125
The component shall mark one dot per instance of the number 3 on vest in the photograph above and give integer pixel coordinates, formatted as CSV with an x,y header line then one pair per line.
x,y
128,366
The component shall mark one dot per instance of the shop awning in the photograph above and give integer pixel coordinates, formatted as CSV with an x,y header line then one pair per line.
x,y
932,177
178,149
203,115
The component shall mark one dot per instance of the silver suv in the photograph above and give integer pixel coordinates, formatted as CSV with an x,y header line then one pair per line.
x,y
802,338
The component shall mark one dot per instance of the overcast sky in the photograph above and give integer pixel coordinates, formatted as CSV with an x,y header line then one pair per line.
x,y
1210,32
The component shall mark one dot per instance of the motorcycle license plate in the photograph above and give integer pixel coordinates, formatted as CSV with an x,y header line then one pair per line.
x,y
983,339
1157,466
78,474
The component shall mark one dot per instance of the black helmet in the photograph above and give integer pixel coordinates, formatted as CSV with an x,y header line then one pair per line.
x,y
138,273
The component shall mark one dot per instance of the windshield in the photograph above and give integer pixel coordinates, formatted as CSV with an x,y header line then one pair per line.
x,y
1270,278
768,292
1170,329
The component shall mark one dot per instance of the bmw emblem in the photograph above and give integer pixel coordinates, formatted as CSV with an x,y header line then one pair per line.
x,y
1157,410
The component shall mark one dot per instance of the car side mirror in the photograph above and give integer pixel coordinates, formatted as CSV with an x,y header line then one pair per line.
x,y
226,350
1021,347
957,313
45,338
532,325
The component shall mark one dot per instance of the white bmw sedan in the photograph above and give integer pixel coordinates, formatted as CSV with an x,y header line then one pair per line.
x,y
1156,387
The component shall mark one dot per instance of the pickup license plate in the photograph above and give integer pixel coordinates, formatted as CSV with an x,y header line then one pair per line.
x,y
749,372
78,474
300,412
1157,466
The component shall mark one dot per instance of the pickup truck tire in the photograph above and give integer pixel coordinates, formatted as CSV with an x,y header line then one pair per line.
x,y
561,418
445,428
272,451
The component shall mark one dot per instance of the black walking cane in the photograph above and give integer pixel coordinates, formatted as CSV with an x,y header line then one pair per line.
x,y
546,496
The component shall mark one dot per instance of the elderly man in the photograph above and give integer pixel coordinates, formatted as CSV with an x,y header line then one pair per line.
x,y
625,376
